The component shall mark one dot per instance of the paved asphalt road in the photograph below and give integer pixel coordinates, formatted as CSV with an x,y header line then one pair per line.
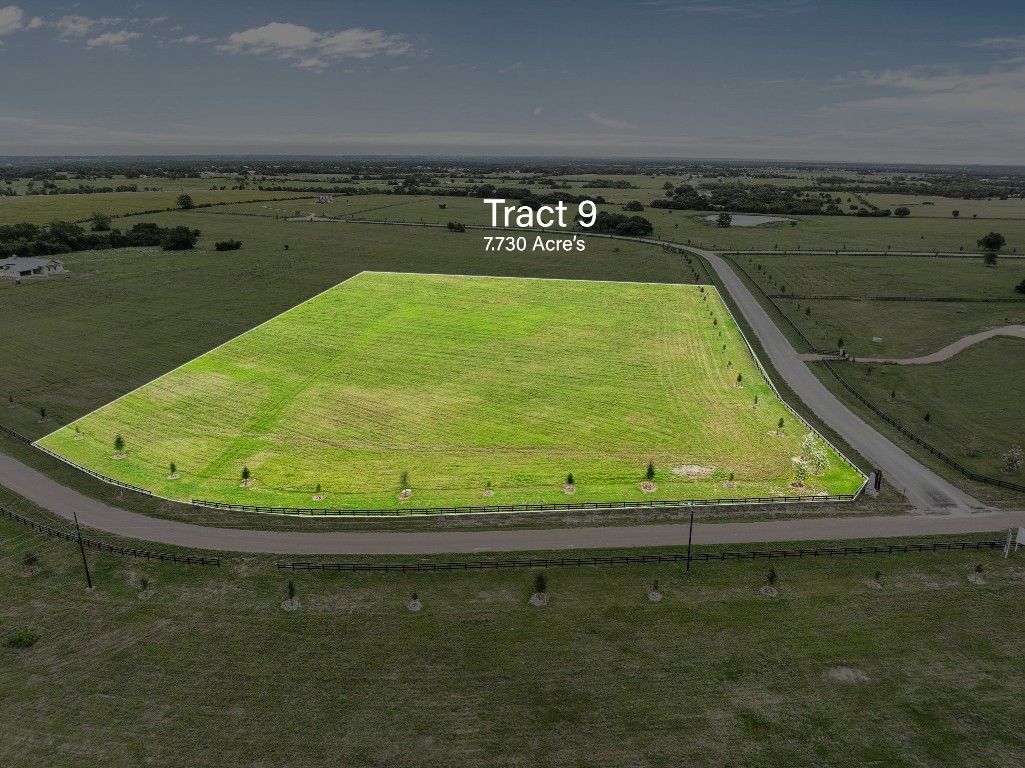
x,y
926,490
944,509
63,500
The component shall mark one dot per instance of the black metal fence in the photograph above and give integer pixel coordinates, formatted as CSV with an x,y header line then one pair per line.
x,y
670,559
501,508
172,557
956,299
79,467
15,435
97,475
784,315
919,441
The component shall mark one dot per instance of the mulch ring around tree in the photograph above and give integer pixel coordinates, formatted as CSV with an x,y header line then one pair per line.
x,y
539,598
654,597
414,605
489,492
873,584
976,578
30,572
146,594
648,487
769,591
246,484
318,497
175,476
569,489
291,605
405,493
119,456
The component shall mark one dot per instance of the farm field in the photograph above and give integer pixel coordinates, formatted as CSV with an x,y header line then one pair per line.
x,y
124,317
42,209
481,390
971,398
688,227
907,328
211,671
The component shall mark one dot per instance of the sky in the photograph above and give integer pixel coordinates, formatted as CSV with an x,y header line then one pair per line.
x,y
806,80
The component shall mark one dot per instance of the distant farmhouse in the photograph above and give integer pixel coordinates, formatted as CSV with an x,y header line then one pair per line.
x,y
21,267
325,199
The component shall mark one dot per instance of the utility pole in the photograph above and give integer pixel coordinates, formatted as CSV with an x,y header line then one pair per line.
x,y
81,547
690,536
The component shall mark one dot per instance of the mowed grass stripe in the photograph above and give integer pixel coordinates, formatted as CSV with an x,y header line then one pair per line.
x,y
461,381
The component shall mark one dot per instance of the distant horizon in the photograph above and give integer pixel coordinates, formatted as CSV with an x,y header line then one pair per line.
x,y
583,159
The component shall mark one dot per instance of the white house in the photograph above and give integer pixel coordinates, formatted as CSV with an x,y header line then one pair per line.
x,y
326,199
17,267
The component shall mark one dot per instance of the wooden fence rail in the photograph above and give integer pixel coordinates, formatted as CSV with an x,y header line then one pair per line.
x,y
103,546
672,558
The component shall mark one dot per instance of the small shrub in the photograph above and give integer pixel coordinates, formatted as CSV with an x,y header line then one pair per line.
x,y
404,480
540,583
144,583
246,474
877,575
569,479
771,577
654,586
650,473
228,245
291,590
23,638
173,467
978,568
29,558
317,490
119,444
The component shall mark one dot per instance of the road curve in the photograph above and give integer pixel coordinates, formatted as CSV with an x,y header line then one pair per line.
x,y
1017,331
926,490
63,501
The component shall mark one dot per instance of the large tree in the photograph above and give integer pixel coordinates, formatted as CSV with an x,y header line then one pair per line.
x,y
994,241
185,202
180,238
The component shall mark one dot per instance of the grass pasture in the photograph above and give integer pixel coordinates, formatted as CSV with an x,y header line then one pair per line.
x,y
975,394
462,382
211,671
123,317
907,328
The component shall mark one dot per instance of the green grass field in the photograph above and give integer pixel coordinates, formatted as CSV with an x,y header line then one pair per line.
x,y
211,671
123,317
977,393
907,329
462,382
42,209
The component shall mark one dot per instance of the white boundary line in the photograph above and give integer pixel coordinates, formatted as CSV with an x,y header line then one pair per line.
x,y
750,349
192,360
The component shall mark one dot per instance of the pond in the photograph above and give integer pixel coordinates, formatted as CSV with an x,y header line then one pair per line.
x,y
745,220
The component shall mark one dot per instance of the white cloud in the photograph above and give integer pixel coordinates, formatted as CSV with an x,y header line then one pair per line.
x,y
609,122
191,40
113,39
1002,43
513,67
11,19
537,111
80,26
950,90
309,49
